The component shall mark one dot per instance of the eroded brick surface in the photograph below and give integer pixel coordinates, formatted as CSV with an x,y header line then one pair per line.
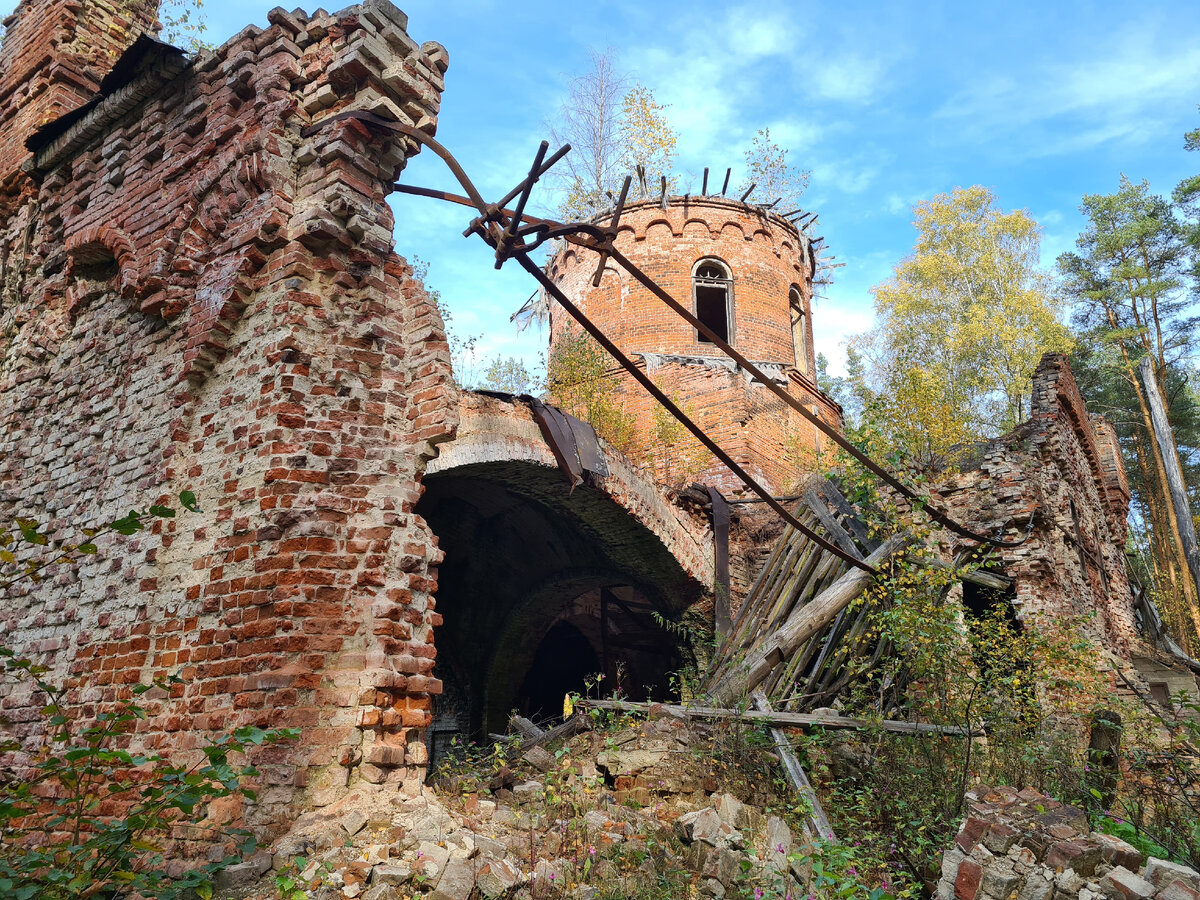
x,y
195,296
1049,850
1057,482
766,257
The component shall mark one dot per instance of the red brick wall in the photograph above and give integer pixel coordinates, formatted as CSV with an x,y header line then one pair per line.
x,y
766,256
195,296
54,54
1059,458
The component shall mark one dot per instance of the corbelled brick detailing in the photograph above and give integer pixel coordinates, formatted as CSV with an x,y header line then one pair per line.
x,y
1058,479
54,55
766,257
195,296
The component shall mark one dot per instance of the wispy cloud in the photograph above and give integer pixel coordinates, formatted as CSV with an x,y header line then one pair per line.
x,y
1107,95
847,78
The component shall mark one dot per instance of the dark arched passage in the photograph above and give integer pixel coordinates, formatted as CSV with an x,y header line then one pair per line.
x,y
542,586
535,583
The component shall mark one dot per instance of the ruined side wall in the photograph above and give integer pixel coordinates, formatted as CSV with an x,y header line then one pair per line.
x,y
53,58
766,256
197,297
1062,472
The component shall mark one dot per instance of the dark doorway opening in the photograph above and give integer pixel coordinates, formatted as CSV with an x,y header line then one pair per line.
x,y
565,661
541,590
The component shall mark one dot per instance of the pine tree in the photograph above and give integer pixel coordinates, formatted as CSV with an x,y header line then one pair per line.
x,y
1130,285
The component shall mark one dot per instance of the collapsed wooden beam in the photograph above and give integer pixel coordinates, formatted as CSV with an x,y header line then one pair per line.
x,y
818,822
740,680
784,719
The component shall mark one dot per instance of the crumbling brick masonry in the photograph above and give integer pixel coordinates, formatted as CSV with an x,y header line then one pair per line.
x,y
196,297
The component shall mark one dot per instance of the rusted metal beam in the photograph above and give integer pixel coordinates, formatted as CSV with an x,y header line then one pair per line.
x,y
722,618
600,239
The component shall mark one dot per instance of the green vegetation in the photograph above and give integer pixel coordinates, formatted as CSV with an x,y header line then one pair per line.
x,y
82,813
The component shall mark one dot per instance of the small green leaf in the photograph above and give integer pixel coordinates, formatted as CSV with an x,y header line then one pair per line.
x,y
130,524
163,512
188,500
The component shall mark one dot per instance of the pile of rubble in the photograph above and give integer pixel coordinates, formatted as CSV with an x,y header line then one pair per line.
x,y
1027,846
614,813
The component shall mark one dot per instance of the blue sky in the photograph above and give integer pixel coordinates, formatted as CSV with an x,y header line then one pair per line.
x,y
886,103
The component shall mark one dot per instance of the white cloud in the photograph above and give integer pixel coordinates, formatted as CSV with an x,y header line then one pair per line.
x,y
848,176
847,78
1102,96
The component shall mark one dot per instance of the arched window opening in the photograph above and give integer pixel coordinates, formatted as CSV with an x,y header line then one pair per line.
x,y
713,291
799,329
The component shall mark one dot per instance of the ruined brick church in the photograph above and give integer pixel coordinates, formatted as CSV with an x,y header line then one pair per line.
x,y
194,295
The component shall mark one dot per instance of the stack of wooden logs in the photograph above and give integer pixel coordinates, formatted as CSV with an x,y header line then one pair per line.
x,y
798,628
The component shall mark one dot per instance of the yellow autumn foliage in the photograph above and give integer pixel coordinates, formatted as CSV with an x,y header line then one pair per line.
x,y
962,323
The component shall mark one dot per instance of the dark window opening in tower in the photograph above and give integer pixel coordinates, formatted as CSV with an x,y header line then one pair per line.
x,y
714,294
799,329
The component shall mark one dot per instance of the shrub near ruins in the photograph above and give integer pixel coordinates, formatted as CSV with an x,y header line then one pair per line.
x,y
82,813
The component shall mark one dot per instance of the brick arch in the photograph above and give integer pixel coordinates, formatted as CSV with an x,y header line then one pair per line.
x,y
498,485
733,228
698,227
90,251
656,223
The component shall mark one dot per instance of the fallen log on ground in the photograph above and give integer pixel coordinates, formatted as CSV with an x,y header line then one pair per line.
x,y
784,719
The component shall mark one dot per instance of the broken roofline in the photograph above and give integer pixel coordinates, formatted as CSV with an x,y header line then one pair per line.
x,y
713,200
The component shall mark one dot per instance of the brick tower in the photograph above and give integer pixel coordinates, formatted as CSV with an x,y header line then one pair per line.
x,y
748,275
54,55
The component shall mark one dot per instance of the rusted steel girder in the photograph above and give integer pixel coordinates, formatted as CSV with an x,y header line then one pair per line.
x,y
513,235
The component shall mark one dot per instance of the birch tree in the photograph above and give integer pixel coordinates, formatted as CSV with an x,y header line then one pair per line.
x,y
773,177
613,125
963,321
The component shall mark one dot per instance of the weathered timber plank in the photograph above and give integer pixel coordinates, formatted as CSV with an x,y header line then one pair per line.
x,y
783,719
836,532
801,626
817,820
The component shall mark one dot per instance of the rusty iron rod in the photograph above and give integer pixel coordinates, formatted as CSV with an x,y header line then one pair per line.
x,y
645,381
514,222
722,345
704,187
475,199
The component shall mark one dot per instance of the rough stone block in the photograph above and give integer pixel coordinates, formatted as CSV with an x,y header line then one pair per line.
x,y
1079,855
1117,852
969,835
1178,890
999,881
1121,884
539,758
243,875
1161,872
968,879
457,881
497,877
1036,887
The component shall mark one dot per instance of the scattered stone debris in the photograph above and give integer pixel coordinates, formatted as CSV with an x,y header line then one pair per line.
x,y
615,810
1027,846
